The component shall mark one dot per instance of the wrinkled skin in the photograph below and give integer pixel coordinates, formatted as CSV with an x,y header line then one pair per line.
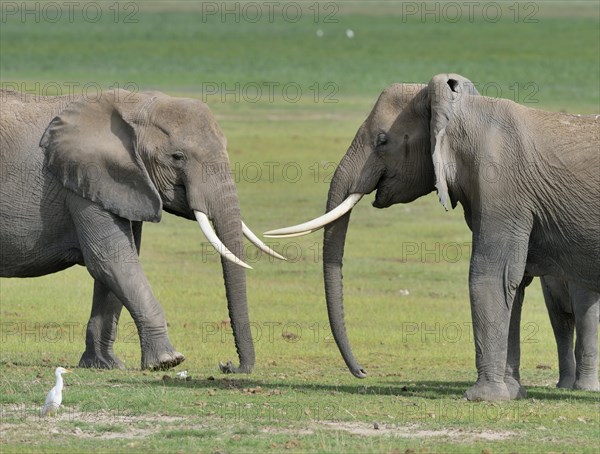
x,y
79,177
527,181
573,308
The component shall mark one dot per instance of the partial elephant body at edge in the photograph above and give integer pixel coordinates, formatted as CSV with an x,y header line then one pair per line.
x,y
80,176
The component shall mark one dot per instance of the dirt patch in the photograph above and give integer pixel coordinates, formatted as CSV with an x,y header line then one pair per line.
x,y
390,430
413,431
129,433
99,424
106,425
286,431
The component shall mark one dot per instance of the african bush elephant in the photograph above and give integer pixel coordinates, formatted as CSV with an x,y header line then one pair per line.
x,y
527,181
80,176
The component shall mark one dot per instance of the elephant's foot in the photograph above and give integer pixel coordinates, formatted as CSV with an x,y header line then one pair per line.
x,y
587,384
485,390
515,389
107,360
161,361
566,382
229,368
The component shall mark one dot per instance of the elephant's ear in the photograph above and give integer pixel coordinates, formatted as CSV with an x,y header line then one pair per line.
x,y
445,92
91,148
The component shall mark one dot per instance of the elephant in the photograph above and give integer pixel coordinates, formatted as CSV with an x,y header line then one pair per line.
x,y
527,180
79,178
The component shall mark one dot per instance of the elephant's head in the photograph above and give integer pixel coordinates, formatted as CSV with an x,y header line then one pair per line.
x,y
137,153
399,151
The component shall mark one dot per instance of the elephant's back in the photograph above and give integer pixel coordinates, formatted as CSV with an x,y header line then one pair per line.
x,y
22,124
25,181
23,120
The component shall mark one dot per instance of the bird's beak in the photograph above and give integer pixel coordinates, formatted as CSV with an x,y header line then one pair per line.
x,y
68,371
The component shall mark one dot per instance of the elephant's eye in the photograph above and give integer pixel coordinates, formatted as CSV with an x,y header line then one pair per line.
x,y
178,156
381,139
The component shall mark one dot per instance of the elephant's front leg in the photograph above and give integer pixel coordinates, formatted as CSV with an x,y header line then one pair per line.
x,y
130,285
512,376
110,254
494,278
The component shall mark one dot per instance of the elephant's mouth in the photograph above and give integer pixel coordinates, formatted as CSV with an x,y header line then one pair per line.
x,y
383,198
175,201
379,204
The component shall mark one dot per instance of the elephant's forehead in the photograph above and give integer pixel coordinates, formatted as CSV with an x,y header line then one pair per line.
x,y
396,101
188,121
399,95
385,114
393,100
183,113
201,140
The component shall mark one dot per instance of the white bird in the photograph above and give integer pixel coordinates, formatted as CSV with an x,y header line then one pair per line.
x,y
182,374
54,397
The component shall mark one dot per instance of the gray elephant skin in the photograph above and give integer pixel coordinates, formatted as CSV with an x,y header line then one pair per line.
x,y
80,176
529,183
574,309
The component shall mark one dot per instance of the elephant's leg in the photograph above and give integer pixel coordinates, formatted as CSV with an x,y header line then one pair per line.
x,y
102,330
512,376
110,255
102,326
586,306
491,316
496,272
556,297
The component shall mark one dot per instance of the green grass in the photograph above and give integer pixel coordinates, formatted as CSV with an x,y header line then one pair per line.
x,y
178,49
417,348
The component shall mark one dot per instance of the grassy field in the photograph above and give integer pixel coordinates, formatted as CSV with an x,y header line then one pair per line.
x,y
285,96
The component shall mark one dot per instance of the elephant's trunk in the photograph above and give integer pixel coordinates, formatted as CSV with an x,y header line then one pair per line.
x,y
224,210
344,182
357,174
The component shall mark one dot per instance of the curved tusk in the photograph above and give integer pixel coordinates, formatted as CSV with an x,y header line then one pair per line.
x,y
213,239
259,244
288,235
316,224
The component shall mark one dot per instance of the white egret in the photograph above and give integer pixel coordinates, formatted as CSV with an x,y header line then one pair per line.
x,y
54,397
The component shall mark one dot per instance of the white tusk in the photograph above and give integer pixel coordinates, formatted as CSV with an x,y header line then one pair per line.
x,y
259,244
289,235
316,224
213,239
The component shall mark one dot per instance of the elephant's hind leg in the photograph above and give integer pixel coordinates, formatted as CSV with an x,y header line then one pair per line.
x,y
586,305
102,330
556,297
